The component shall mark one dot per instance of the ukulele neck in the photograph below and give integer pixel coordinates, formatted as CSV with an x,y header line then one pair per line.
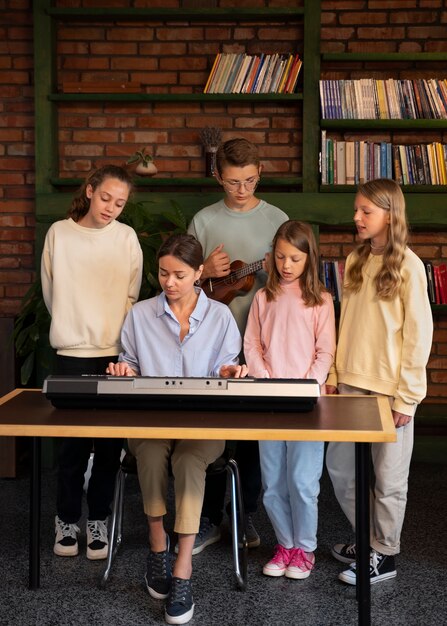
x,y
249,268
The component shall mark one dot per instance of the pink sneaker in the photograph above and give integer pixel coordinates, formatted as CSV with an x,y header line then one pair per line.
x,y
278,564
300,564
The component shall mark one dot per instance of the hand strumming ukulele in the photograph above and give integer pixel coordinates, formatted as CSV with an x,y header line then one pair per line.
x,y
239,281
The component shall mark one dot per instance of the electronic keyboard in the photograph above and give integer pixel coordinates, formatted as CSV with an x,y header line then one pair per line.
x,y
198,394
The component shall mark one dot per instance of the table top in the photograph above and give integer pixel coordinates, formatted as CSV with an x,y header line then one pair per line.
x,y
27,413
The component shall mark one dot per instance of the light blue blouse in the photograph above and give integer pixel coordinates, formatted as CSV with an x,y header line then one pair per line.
x,y
151,345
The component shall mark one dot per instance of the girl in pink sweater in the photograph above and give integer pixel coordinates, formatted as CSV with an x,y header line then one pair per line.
x,y
291,334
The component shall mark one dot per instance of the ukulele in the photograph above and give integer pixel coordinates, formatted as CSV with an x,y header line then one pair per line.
x,y
238,282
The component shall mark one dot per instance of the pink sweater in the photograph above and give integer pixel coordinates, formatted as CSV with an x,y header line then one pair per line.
x,y
286,339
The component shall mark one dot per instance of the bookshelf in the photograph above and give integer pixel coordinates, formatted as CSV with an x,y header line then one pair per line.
x,y
301,196
51,188
364,129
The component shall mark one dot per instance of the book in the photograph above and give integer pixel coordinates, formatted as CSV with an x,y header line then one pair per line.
x,y
442,271
341,163
212,73
397,166
285,74
251,76
437,286
350,162
234,69
430,281
241,74
324,178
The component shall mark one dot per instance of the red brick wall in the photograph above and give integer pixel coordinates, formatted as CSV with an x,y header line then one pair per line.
x,y
16,154
168,58
178,57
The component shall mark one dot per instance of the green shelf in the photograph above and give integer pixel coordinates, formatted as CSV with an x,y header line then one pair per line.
x,y
200,14
139,181
425,124
405,188
384,56
174,97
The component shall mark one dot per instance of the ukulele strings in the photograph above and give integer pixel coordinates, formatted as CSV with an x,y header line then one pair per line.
x,y
236,274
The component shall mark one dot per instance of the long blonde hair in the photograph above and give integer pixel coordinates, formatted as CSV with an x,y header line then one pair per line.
x,y
387,195
300,235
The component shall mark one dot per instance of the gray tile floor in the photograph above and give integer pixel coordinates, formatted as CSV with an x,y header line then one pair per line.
x,y
69,594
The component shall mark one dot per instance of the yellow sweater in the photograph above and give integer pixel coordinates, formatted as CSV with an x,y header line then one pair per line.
x,y
384,345
90,279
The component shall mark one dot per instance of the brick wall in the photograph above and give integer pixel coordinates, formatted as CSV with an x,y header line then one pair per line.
x,y
16,154
162,57
177,58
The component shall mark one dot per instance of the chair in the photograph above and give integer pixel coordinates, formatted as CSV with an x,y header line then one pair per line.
x,y
224,463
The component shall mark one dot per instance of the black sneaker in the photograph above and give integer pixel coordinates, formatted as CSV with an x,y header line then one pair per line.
x,y
344,552
158,575
180,605
66,541
381,567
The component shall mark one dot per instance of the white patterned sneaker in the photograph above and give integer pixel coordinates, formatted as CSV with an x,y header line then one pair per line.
x,y
97,539
66,542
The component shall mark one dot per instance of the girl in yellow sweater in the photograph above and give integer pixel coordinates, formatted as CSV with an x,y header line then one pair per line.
x,y
384,343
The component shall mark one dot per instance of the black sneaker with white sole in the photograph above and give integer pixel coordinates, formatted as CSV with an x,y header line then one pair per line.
x,y
158,575
180,605
344,552
381,567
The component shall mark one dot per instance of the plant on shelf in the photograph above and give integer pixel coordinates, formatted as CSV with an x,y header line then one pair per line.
x,y
144,162
32,325
211,137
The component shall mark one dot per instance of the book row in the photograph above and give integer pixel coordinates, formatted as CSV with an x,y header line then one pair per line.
x,y
331,275
374,99
436,282
354,162
245,73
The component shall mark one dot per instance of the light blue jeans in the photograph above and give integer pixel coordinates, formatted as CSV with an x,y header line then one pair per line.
x,y
291,472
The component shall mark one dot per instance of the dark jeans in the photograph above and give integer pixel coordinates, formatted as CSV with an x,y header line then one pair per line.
x,y
74,455
247,457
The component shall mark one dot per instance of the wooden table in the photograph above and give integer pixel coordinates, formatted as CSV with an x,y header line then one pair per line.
x,y
359,419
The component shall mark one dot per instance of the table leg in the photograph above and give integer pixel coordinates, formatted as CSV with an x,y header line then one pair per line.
x,y
362,485
34,539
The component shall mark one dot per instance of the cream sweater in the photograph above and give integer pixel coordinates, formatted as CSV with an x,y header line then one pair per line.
x,y
384,345
90,279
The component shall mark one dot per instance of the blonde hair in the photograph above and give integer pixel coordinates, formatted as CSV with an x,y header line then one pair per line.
x,y
299,235
80,204
387,195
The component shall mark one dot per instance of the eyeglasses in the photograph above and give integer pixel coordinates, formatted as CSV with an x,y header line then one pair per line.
x,y
232,186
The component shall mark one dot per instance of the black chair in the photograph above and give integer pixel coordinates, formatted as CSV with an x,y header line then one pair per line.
x,y
225,463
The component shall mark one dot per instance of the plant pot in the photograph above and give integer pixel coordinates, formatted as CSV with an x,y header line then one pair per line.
x,y
210,161
149,169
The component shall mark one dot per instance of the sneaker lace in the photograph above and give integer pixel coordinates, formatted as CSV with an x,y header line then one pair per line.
x,y
300,559
158,564
98,530
180,590
374,562
67,530
282,555
350,549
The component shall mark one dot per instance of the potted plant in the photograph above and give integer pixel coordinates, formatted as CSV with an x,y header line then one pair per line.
x,y
211,138
145,165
